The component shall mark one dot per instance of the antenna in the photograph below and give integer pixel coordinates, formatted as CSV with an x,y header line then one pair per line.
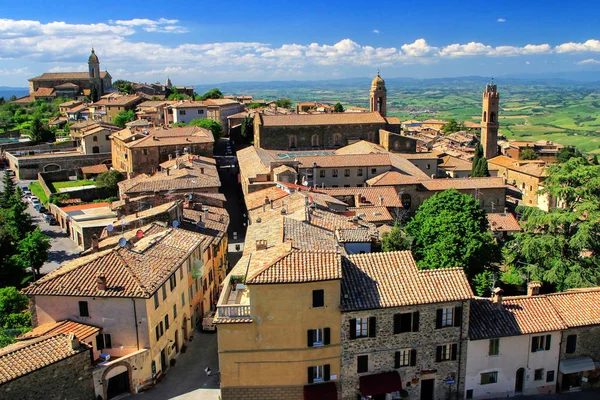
x,y
122,242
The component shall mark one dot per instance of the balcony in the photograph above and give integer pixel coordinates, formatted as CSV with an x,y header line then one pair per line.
x,y
234,303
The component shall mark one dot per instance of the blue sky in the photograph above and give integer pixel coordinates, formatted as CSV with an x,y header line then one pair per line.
x,y
210,42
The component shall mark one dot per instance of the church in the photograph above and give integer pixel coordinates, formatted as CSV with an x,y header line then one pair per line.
x,y
72,84
328,130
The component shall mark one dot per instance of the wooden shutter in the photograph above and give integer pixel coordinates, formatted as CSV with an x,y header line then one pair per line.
x,y
310,375
457,316
157,333
413,357
438,353
372,326
326,372
548,341
353,328
397,359
397,323
571,344
415,321
107,341
534,344
454,351
326,336
438,319
100,341
309,337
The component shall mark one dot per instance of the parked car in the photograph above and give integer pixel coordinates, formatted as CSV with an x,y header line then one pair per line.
x,y
40,208
50,219
208,322
35,203
33,198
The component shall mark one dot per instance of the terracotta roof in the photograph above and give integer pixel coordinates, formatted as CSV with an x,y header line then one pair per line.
x,y
67,85
419,156
172,183
220,102
44,92
188,104
121,101
322,119
94,169
136,271
520,315
373,214
81,331
577,307
58,76
341,161
251,163
185,135
214,222
534,168
392,279
392,178
372,195
354,235
300,267
283,168
503,222
22,358
307,237
392,120
257,199
464,183
455,164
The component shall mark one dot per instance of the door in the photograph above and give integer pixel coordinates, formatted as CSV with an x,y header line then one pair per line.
x,y
519,380
163,360
427,389
176,342
117,384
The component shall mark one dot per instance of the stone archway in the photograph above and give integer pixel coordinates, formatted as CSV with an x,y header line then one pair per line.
x,y
51,167
115,370
109,161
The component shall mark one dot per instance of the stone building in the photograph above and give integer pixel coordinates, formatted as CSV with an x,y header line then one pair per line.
x,y
402,329
489,121
72,84
108,107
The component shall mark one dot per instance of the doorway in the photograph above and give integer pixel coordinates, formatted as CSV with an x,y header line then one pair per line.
x,y
163,360
427,389
176,342
570,381
117,384
519,380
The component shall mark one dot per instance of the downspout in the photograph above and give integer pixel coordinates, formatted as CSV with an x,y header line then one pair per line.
x,y
137,335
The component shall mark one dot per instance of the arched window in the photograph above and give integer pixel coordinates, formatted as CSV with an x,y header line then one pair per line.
x,y
293,141
406,200
337,139
484,116
95,149
315,140
492,117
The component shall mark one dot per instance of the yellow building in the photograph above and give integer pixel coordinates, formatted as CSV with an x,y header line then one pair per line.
x,y
108,107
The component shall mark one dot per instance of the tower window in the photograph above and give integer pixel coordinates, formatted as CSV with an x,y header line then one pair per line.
x,y
484,116
492,117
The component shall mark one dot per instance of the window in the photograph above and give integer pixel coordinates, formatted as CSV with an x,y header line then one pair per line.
x,y
83,309
322,173
100,345
145,152
318,298
181,112
319,373
210,276
166,321
182,299
107,341
405,358
315,140
362,327
172,282
494,349
181,273
334,173
470,394
373,170
538,374
162,328
362,364
94,138
292,141
359,172
540,343
155,300
489,377
200,112
550,376
446,317
164,291
406,322
107,137
318,337
446,352
347,172
174,311
571,344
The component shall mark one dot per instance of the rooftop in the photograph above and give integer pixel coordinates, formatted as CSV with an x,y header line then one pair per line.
x,y
340,161
369,196
81,331
503,222
464,183
577,307
156,137
53,76
535,168
323,119
298,267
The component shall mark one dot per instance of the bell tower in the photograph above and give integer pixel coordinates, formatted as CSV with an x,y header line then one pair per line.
x,y
489,121
378,96
94,65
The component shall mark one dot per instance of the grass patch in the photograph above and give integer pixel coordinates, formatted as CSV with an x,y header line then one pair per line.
x,y
67,184
38,192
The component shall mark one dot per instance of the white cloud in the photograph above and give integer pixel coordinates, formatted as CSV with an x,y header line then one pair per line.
x,y
589,61
419,48
527,63
376,31
501,20
591,45
15,71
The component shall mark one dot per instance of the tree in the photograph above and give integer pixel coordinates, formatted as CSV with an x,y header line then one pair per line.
x,y
451,230
247,128
528,154
283,103
124,117
561,247
19,221
481,169
594,160
478,155
338,107
252,106
9,185
451,126
94,94
14,320
212,94
214,126
394,240
177,96
12,301
32,251
109,180
566,153
39,132
6,119
12,98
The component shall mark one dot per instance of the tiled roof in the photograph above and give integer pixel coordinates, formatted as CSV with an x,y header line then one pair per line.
x,y
322,119
393,120
183,136
67,85
373,214
300,267
307,237
165,184
578,307
44,92
22,358
372,195
340,161
534,168
420,156
220,102
188,104
121,101
520,315
94,169
81,331
392,279
283,168
503,222
54,76
131,271
393,178
354,235
251,163
214,222
258,198
464,183
455,164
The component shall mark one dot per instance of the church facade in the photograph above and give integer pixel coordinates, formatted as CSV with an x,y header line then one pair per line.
x,y
72,84
328,130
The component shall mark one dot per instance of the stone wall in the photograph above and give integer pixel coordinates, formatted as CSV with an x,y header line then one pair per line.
x,y
382,347
266,393
70,379
27,167
396,143
44,178
588,345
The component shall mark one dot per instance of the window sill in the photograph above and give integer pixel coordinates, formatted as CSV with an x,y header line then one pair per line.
x,y
318,344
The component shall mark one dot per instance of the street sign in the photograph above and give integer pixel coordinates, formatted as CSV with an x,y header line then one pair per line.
x,y
450,381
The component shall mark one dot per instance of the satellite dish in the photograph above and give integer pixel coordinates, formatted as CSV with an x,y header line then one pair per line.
x,y
139,234
189,196
122,242
175,224
110,228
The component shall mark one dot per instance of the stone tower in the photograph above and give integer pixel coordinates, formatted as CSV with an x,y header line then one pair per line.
x,y
378,95
489,121
94,65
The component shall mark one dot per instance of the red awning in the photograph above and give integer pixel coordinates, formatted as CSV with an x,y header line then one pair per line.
x,y
321,391
385,382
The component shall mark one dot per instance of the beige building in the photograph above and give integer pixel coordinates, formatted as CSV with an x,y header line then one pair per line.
x,y
108,107
96,139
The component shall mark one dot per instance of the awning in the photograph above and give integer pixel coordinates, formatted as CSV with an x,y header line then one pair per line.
x,y
320,391
385,382
578,364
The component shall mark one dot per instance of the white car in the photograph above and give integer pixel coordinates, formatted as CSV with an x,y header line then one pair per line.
x,y
27,192
35,202
208,322
33,198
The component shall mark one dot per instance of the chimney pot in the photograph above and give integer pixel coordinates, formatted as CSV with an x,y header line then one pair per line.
x,y
533,288
101,282
497,295
95,244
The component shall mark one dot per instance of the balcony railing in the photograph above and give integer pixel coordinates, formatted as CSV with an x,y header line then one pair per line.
x,y
233,311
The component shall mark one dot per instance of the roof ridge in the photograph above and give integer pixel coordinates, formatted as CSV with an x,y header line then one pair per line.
x,y
133,275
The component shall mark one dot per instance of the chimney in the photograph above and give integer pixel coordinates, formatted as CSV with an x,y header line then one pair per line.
x,y
168,169
533,288
202,170
497,295
205,214
289,243
261,244
101,282
505,210
74,341
95,245
380,200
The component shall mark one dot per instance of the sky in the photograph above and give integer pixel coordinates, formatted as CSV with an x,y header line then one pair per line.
x,y
224,41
